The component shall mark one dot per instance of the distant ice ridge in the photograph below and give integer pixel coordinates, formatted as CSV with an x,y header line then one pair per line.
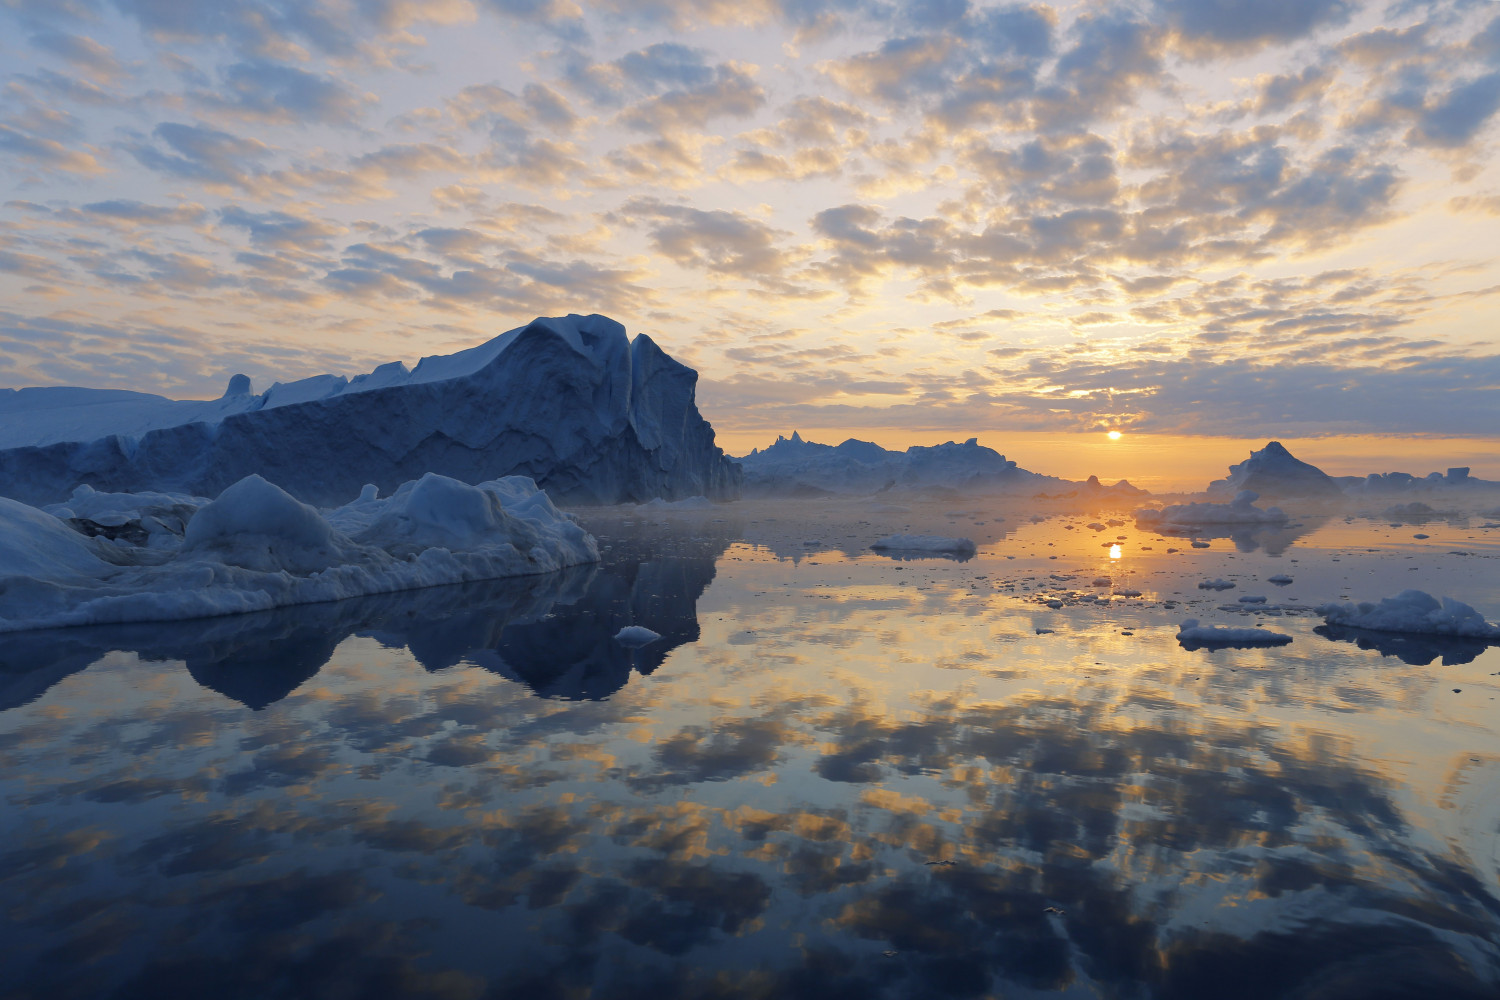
x,y
1273,471
1413,611
255,548
796,467
1240,510
569,402
925,543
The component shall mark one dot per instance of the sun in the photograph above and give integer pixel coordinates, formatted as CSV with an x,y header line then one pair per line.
x,y
1114,435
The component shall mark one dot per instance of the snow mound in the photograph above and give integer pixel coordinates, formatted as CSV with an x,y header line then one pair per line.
x,y
153,519
636,635
570,402
1240,510
925,543
1412,611
1274,471
1191,633
256,547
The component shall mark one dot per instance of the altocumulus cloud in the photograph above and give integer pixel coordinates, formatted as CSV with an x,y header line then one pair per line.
x,y
938,213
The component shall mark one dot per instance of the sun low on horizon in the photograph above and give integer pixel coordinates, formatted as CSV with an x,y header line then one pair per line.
x,y
1174,219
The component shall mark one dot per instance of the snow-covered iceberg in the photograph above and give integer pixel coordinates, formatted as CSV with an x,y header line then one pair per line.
x,y
255,547
1412,611
796,467
1273,471
571,403
1240,510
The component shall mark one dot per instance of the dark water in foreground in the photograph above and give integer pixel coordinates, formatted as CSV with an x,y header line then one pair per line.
x,y
837,775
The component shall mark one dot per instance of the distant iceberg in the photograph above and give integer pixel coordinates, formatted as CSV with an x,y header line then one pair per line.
x,y
1240,510
1273,471
796,467
571,403
255,548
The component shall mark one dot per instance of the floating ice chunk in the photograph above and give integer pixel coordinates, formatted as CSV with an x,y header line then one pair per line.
x,y
1253,599
1280,579
636,635
1102,581
690,503
1216,585
1240,510
925,543
1412,611
1191,633
255,548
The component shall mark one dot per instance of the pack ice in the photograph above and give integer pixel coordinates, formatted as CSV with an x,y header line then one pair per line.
x,y
112,557
570,402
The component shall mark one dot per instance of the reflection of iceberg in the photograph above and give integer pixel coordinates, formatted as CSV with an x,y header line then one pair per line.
x,y
571,652
1274,538
1418,650
260,658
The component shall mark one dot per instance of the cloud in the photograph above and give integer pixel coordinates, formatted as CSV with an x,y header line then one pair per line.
x,y
82,53
202,154
281,94
1205,27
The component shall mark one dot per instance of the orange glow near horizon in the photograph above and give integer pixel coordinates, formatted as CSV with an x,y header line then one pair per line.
x,y
1163,463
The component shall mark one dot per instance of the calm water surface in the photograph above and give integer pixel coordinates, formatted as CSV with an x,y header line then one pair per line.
x,y
836,775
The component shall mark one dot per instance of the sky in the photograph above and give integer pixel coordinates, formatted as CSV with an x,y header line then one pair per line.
x,y
1180,219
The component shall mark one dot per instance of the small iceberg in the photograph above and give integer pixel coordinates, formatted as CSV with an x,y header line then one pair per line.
x,y
1415,612
1193,635
1240,510
635,636
934,544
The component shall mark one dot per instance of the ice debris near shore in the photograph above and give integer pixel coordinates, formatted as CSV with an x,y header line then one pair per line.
x,y
255,547
1412,611
794,467
937,544
570,402
1240,510
1192,633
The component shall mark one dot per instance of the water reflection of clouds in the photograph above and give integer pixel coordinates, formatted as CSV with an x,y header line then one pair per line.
x,y
757,818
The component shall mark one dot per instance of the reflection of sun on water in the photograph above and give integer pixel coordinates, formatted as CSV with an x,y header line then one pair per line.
x,y
1114,552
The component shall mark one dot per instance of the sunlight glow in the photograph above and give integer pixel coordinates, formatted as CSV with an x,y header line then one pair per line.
x,y
1114,552
1114,435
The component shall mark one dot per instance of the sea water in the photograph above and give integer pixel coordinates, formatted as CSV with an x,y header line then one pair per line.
x,y
837,774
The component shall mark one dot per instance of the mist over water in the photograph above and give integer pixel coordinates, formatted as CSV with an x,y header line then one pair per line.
x,y
838,773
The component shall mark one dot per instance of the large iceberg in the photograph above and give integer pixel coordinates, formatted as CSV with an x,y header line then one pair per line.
x,y
1240,510
1273,471
571,403
255,548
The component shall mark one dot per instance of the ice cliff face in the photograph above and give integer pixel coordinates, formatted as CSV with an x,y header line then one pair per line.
x,y
570,402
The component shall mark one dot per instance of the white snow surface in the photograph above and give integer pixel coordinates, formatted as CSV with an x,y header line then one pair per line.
x,y
925,543
571,402
1191,631
1412,611
1240,510
255,548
